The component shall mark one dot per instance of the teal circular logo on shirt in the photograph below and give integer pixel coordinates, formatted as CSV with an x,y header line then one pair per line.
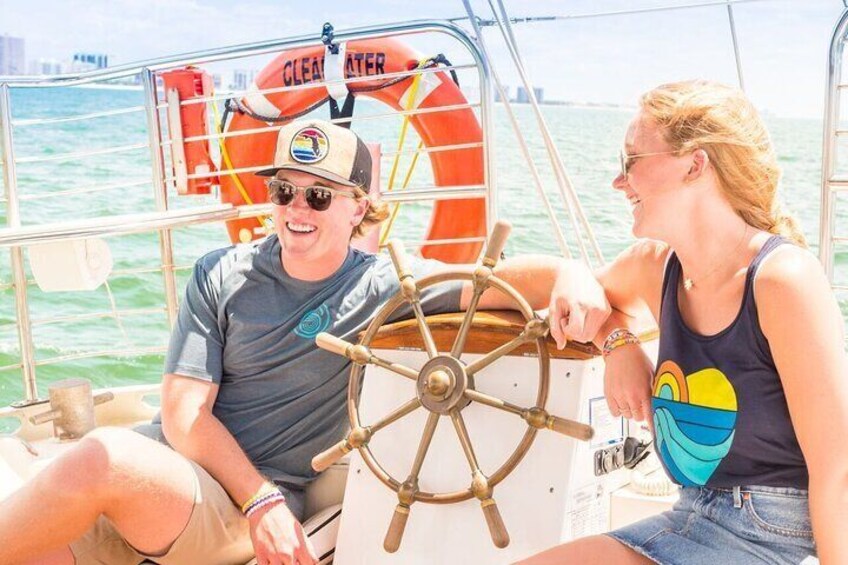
x,y
314,322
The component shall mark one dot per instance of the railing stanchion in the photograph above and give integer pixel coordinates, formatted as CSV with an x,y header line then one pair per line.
x,y
829,145
160,192
13,220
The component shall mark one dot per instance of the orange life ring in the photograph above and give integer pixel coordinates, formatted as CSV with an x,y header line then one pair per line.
x,y
451,219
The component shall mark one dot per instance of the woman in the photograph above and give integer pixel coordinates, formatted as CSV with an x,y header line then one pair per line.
x,y
749,398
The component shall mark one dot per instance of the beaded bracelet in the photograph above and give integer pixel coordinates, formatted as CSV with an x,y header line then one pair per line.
x,y
617,338
265,501
260,500
266,489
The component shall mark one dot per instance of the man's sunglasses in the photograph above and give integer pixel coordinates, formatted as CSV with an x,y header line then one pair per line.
x,y
319,198
626,160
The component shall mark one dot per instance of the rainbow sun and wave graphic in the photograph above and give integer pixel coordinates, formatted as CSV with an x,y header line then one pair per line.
x,y
694,421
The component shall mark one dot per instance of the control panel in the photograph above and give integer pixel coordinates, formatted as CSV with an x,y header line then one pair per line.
x,y
627,454
609,459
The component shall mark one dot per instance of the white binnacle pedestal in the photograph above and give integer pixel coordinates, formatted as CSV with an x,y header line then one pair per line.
x,y
551,497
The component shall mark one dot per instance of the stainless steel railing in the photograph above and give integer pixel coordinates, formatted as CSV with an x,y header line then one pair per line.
x,y
77,118
13,219
831,184
115,225
77,155
416,112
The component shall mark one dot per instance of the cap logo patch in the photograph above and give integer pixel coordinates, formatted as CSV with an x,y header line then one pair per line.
x,y
309,145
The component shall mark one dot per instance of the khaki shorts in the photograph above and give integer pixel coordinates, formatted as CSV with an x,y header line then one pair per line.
x,y
216,533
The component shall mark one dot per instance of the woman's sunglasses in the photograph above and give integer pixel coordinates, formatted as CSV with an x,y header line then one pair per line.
x,y
319,198
625,160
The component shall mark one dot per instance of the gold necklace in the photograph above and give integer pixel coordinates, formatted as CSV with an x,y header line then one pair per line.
x,y
688,283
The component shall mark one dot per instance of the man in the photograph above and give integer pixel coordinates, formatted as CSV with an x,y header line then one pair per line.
x,y
247,397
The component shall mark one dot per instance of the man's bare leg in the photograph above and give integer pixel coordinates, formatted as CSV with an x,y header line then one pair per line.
x,y
143,487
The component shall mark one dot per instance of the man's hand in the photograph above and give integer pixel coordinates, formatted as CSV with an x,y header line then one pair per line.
x,y
278,538
627,382
578,305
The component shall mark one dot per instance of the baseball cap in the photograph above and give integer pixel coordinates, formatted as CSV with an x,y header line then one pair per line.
x,y
322,149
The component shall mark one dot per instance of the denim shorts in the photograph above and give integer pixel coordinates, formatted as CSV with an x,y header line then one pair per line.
x,y
717,526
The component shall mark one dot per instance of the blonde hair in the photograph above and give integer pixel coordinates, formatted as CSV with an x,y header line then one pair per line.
x,y
720,120
376,213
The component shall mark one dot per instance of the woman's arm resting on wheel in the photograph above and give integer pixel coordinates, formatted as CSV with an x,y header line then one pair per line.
x,y
633,285
576,302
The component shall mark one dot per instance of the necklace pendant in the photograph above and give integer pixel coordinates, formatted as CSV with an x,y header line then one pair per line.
x,y
688,284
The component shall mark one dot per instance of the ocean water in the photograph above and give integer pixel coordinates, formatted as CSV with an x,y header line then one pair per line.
x,y
588,140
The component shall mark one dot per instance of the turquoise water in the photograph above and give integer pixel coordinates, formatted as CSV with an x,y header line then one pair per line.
x,y
588,140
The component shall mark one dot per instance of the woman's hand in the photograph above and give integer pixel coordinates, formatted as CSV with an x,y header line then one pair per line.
x,y
627,382
578,306
278,538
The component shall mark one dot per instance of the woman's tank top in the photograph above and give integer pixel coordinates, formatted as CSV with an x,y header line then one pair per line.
x,y
719,411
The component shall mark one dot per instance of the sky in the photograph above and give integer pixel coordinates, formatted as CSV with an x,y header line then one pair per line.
x,y
611,59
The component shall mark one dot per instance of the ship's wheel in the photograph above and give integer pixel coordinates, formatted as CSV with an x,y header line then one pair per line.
x,y
444,387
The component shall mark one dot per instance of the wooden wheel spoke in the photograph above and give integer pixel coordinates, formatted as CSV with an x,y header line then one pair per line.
x,y
534,328
482,274
398,413
465,440
396,368
480,485
496,354
423,328
408,489
361,355
409,290
465,327
424,445
494,402
537,417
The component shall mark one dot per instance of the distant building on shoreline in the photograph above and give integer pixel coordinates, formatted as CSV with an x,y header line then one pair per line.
x,y
506,93
89,61
45,67
242,79
12,51
523,97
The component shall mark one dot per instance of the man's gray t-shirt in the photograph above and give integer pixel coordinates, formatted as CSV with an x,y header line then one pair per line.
x,y
248,326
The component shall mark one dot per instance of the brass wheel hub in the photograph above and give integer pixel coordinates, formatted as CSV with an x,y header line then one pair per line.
x,y
442,383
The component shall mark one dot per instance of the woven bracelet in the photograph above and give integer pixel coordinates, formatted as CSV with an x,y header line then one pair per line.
x,y
617,338
266,489
265,501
